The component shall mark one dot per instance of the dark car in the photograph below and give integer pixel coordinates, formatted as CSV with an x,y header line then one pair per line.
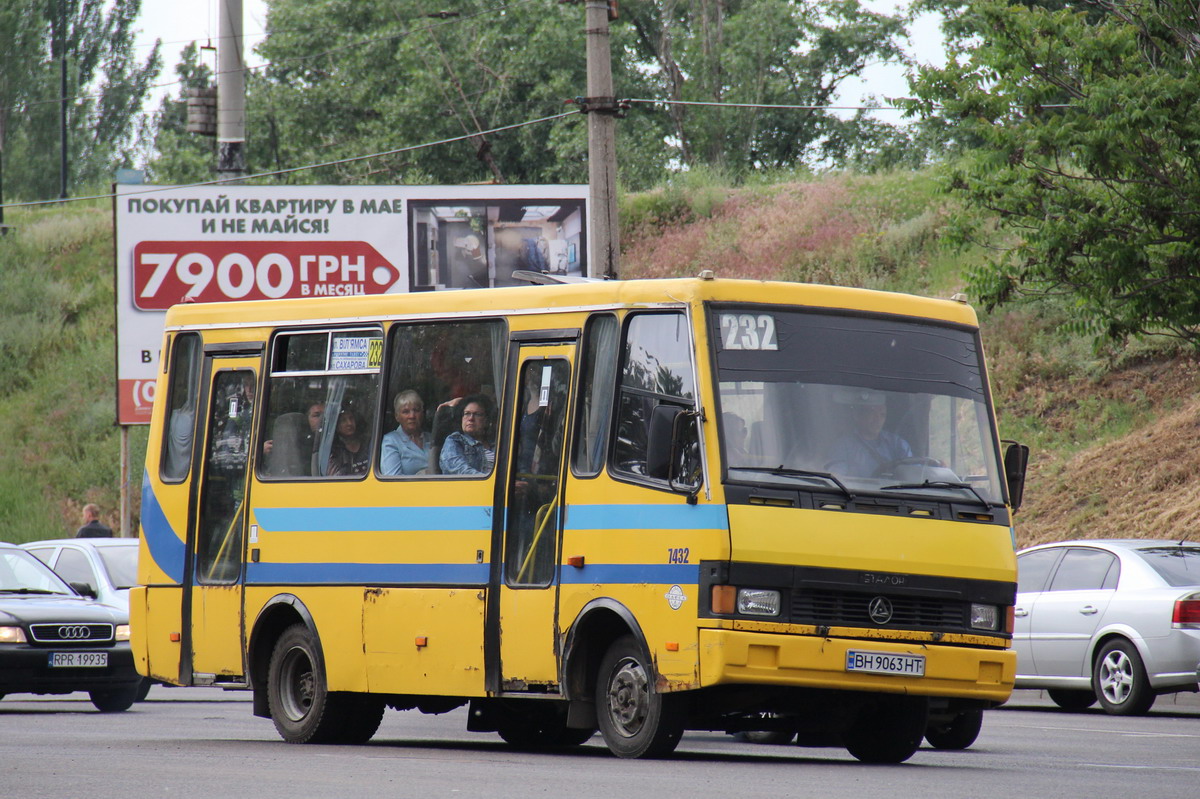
x,y
55,641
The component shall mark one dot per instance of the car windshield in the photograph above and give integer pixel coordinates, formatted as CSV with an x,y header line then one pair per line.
x,y
883,405
22,573
1178,565
121,565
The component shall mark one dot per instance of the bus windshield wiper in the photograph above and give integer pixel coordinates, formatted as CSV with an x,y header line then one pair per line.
x,y
789,472
939,484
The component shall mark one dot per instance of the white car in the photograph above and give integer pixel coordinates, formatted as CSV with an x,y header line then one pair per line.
x,y
106,566
1116,621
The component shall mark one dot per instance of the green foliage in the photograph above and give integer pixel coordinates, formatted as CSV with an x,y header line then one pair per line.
x,y
350,79
106,86
62,448
1089,129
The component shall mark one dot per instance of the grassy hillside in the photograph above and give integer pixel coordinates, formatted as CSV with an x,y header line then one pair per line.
x,y
1111,431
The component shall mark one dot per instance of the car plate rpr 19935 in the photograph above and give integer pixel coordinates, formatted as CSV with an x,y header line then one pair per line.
x,y
885,663
76,660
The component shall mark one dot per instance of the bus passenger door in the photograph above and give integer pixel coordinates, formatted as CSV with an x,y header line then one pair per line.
x,y
533,519
213,591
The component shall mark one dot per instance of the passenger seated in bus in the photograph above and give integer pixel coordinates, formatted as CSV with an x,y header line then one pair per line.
x,y
469,450
406,449
348,455
867,448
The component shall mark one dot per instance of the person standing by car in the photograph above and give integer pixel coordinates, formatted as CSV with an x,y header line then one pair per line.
x,y
92,526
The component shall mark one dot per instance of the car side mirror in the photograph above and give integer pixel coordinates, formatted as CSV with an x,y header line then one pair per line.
x,y
84,589
1016,458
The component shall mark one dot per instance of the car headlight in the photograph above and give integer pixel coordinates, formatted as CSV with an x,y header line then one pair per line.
x,y
758,602
122,632
12,635
985,617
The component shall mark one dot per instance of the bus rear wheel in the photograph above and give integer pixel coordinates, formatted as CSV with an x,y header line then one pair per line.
x,y
303,708
888,729
635,719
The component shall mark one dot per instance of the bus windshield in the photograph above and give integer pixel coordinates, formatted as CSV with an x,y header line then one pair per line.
x,y
854,403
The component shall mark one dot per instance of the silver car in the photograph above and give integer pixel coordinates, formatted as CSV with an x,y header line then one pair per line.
x,y
104,567
1111,620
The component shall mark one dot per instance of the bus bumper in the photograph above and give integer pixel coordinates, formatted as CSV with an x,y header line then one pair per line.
x,y
738,657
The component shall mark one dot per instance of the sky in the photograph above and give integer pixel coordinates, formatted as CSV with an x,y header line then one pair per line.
x,y
179,22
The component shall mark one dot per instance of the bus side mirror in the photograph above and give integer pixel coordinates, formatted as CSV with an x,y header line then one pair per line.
x,y
658,440
1016,458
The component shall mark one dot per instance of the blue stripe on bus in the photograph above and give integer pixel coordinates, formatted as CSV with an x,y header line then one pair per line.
x,y
459,573
166,548
367,573
647,517
630,574
360,520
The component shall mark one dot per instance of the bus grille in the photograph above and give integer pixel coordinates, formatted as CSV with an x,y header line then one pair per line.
x,y
849,609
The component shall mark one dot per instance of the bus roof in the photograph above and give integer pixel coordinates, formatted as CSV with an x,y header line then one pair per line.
x,y
574,296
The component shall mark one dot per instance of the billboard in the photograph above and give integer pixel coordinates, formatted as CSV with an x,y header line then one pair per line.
x,y
225,243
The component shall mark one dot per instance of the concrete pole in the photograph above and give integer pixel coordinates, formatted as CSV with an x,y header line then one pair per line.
x,y
231,92
602,150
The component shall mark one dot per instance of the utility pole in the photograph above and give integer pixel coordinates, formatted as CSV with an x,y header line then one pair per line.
x,y
602,150
231,92
59,37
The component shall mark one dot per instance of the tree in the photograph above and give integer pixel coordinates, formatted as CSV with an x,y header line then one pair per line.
x,y
352,78
1090,133
106,88
179,156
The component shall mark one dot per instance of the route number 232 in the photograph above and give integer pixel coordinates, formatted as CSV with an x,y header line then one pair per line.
x,y
747,331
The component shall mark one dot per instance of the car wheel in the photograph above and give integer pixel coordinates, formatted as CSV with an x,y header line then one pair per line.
x,y
1071,700
1119,680
144,688
958,733
635,719
303,708
114,700
888,729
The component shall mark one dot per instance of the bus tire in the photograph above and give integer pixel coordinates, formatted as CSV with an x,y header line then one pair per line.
x,y
888,729
303,708
957,733
114,700
635,719
1069,699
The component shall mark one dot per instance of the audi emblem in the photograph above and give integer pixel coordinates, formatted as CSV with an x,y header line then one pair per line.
x,y
73,632
880,610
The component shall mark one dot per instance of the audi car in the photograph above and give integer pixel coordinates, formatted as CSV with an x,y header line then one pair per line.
x,y
54,640
1109,621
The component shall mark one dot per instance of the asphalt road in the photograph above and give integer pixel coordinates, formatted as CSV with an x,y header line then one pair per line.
x,y
201,742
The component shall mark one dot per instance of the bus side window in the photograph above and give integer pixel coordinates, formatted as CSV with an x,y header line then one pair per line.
x,y
595,408
184,390
656,371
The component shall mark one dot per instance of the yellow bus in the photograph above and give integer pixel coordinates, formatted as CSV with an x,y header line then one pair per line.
x,y
641,507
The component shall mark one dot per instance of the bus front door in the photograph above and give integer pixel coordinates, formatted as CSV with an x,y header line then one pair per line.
x,y
533,520
213,590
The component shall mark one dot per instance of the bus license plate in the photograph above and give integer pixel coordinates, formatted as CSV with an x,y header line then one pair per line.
x,y
75,660
885,663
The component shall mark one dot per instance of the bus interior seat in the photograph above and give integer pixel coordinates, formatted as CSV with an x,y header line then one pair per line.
x,y
446,420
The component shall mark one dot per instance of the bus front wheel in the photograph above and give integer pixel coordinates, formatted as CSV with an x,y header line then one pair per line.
x,y
634,718
888,729
302,706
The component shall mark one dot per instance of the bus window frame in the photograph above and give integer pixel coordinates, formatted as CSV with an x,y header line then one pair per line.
x,y
371,426
196,390
665,483
586,358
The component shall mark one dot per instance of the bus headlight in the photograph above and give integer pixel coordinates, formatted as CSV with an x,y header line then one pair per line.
x,y
758,602
985,617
